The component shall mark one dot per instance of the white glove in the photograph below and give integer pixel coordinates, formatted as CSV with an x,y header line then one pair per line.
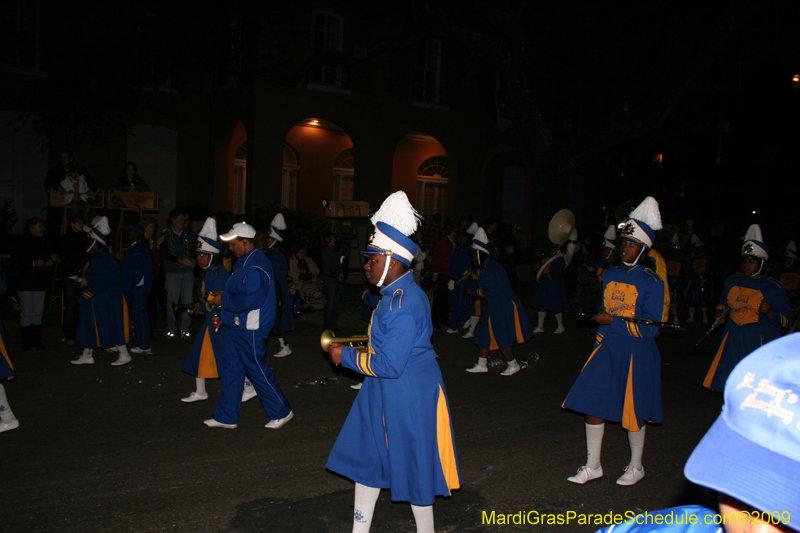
x,y
451,285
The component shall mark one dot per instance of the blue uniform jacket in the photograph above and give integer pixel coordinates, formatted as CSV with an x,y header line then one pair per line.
x,y
398,434
747,328
103,317
136,267
248,302
280,268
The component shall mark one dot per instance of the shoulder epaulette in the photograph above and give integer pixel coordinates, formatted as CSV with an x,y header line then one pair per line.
x,y
653,275
399,299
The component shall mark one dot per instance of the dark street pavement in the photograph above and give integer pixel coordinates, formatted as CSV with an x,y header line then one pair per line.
x,y
104,448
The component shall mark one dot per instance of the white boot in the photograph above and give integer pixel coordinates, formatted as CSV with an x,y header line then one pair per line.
x,y
7,419
472,323
511,369
249,391
705,314
124,357
540,327
691,316
200,394
480,367
85,358
285,350
560,321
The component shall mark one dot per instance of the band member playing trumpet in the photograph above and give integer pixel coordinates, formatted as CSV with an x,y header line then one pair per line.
x,y
621,381
398,434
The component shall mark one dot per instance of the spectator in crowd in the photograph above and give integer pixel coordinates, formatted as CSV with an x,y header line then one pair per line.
x,y
176,250
332,256
442,253
33,266
76,192
130,180
153,244
432,232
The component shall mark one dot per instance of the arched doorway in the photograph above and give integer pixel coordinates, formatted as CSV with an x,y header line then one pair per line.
x,y
419,168
323,166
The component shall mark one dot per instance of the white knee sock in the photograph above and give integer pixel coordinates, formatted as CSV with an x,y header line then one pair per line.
x,y
691,313
87,352
364,507
123,350
282,342
473,321
6,415
559,319
541,319
423,515
200,383
594,444
636,442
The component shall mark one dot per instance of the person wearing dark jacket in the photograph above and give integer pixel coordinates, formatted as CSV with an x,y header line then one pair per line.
x,y
130,180
73,257
33,265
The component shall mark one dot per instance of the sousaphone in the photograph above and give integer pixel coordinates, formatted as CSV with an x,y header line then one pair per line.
x,y
561,226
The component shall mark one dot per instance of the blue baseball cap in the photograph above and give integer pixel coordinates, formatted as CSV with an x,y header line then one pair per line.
x,y
752,451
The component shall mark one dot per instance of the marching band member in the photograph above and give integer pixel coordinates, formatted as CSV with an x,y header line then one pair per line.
x,y
505,324
248,313
398,434
759,310
7,419
621,381
103,318
551,295
459,263
209,343
136,281
281,269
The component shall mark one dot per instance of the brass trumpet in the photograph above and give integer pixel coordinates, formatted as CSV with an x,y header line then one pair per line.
x,y
356,341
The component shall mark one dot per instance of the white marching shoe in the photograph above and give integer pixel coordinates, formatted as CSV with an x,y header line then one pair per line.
x,y
148,351
214,424
632,476
586,474
538,330
284,351
84,359
480,367
560,329
357,386
194,397
511,369
277,424
124,357
6,425
248,393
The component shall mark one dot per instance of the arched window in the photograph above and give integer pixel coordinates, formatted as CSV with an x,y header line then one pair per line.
x,y
432,179
291,168
343,169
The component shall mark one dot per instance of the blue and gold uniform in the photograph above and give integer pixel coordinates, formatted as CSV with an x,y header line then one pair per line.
x,y
505,322
280,268
747,328
398,434
459,263
621,381
103,318
551,295
202,359
6,368
136,281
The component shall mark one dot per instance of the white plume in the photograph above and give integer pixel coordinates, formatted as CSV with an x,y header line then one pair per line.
x,y
648,213
753,233
278,222
101,225
473,229
480,235
611,233
791,250
398,212
209,229
676,239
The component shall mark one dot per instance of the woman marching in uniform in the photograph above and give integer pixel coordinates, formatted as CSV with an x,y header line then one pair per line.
x,y
103,318
398,434
621,381
505,324
280,268
7,419
759,310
